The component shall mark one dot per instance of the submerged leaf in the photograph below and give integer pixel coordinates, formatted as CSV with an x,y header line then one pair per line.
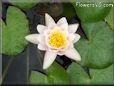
x,y
97,51
14,32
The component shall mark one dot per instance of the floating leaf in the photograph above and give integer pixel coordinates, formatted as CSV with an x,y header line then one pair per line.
x,y
38,78
110,18
58,74
0,36
102,76
97,50
91,13
77,74
91,1
97,76
55,75
14,32
24,3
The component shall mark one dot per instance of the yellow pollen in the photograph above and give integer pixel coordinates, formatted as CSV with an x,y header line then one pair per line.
x,y
57,38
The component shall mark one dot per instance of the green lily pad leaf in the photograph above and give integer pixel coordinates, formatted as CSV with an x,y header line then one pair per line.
x,y
91,13
14,32
90,1
97,76
55,75
97,50
58,74
102,76
0,36
38,78
24,3
77,74
110,18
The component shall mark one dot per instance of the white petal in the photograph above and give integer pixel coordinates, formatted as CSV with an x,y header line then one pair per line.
x,y
61,53
71,37
41,28
41,47
49,59
52,26
62,21
73,28
73,54
41,39
77,37
49,20
74,37
71,45
32,38
64,26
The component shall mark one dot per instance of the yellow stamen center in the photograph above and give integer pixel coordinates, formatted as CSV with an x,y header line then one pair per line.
x,y
57,38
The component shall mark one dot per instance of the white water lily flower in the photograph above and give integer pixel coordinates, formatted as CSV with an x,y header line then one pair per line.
x,y
56,39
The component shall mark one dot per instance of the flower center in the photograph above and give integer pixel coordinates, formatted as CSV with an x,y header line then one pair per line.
x,y
57,38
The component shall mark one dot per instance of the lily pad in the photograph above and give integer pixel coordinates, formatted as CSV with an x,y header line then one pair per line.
x,y
102,76
38,78
90,1
97,50
110,18
55,75
97,76
14,32
90,13
77,74
0,35
24,3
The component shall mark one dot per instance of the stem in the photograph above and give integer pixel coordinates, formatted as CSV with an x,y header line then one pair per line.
x,y
6,69
28,65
